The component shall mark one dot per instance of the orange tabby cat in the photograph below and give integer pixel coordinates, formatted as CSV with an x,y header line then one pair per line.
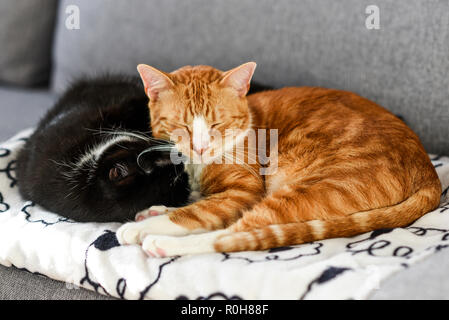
x,y
344,165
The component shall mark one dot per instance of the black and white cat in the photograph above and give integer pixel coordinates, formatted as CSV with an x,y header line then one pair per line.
x,y
81,161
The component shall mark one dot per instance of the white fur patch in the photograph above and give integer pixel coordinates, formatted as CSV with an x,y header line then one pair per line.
x,y
201,136
194,172
95,152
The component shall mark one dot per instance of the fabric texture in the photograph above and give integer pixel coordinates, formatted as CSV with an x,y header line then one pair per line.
x,y
89,255
403,66
26,33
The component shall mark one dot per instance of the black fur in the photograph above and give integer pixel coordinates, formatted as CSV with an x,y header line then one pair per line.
x,y
258,87
113,187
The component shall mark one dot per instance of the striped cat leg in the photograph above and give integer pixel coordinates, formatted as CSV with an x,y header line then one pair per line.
x,y
227,240
287,216
228,189
282,218
215,212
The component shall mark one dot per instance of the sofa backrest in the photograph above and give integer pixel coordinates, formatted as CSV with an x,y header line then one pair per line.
x,y
26,33
403,65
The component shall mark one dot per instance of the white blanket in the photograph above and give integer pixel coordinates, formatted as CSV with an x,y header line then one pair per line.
x,y
88,254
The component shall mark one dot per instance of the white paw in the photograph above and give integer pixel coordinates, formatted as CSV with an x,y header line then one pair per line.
x,y
135,232
153,212
166,246
161,246
129,233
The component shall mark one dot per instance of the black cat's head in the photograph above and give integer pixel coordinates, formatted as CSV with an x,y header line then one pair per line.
x,y
115,186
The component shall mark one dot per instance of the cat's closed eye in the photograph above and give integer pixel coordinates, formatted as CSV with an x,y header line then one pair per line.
x,y
215,125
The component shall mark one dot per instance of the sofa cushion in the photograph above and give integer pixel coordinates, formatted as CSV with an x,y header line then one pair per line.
x,y
20,284
26,33
22,108
402,66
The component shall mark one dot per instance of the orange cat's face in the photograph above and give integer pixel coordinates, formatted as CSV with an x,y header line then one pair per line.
x,y
201,109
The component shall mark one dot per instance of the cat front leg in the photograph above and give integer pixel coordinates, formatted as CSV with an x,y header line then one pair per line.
x,y
228,189
216,212
135,232
158,246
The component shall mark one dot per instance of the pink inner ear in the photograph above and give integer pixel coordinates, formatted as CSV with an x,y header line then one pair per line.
x,y
154,81
240,78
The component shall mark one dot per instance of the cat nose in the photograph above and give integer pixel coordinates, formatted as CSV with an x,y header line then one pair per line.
x,y
200,149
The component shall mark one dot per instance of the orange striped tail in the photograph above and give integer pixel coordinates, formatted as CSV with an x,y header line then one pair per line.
x,y
271,236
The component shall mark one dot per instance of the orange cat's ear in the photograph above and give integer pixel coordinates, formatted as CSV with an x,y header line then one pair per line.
x,y
239,78
154,81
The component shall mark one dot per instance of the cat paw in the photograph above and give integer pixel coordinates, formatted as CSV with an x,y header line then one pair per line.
x,y
162,246
153,212
129,233
135,232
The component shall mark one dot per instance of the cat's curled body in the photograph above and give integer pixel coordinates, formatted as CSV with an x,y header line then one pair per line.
x,y
344,166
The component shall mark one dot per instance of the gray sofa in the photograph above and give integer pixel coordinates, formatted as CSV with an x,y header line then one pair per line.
x,y
403,66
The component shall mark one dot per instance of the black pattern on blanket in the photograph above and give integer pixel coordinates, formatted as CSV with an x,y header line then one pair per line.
x,y
89,255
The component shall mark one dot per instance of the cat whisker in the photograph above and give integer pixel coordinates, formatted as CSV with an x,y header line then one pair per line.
x,y
61,164
161,148
250,155
176,178
139,135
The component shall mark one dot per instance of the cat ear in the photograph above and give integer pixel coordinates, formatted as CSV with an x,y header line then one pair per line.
x,y
239,78
154,81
